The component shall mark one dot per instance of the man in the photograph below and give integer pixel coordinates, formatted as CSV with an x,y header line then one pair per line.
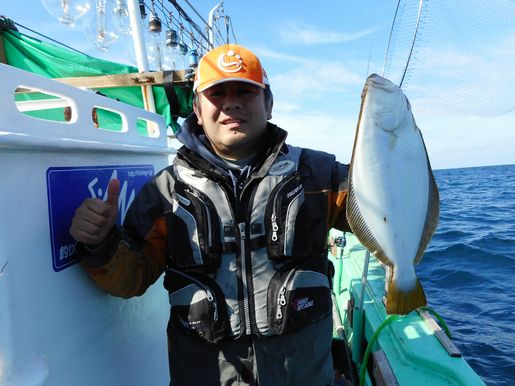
x,y
238,224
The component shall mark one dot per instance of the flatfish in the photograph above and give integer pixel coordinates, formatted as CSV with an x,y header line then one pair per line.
x,y
393,203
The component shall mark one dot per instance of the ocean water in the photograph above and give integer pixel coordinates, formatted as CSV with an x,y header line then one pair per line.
x,y
468,270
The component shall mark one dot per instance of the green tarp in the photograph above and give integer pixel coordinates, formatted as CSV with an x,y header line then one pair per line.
x,y
53,61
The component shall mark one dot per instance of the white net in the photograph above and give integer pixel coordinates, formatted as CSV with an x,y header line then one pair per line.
x,y
454,56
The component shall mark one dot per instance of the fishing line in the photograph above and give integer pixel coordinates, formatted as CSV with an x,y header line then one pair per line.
x,y
390,37
370,55
412,43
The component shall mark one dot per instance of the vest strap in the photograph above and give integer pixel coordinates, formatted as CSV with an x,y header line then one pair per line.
x,y
255,243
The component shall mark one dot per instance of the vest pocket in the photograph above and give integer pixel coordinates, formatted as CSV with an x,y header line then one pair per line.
x,y
296,298
195,235
197,305
281,216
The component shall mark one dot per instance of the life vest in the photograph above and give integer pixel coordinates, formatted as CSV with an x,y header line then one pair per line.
x,y
253,264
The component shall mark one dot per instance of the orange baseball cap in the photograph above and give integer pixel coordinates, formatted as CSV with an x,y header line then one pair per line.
x,y
228,63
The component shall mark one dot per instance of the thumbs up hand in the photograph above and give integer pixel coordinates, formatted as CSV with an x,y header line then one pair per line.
x,y
94,218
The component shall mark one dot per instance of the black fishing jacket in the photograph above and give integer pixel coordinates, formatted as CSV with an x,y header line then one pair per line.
x,y
239,259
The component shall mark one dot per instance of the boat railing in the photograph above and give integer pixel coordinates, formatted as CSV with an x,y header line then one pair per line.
x,y
78,128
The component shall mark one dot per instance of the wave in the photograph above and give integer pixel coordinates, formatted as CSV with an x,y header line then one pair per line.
x,y
468,269
455,279
479,252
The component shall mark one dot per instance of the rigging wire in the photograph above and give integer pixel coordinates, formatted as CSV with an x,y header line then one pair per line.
x,y
174,20
232,30
220,13
226,28
186,17
49,38
217,35
196,12
202,42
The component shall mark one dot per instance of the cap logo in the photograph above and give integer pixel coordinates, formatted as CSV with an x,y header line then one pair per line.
x,y
233,63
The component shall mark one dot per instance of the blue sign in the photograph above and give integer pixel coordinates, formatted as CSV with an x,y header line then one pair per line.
x,y
67,187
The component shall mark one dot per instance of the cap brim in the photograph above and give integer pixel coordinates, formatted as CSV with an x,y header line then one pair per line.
x,y
211,84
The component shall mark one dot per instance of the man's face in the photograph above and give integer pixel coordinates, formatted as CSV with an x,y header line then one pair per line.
x,y
234,117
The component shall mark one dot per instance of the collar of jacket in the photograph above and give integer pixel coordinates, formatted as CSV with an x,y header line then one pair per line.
x,y
199,156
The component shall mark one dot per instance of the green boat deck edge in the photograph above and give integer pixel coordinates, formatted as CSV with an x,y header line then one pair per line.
x,y
411,347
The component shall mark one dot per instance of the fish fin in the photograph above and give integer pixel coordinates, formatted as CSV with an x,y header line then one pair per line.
x,y
432,214
402,301
360,228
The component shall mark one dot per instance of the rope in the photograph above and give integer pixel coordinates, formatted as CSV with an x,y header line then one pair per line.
x,y
363,367
391,319
440,320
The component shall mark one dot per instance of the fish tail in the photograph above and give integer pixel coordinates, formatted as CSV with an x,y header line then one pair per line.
x,y
402,301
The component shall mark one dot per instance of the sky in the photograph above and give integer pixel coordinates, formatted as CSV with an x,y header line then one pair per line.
x,y
318,55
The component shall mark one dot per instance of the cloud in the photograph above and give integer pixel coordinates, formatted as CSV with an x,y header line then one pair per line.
x,y
297,32
305,78
264,52
469,141
283,107
474,141
315,79
330,133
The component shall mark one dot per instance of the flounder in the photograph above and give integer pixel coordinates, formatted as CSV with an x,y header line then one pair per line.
x,y
393,203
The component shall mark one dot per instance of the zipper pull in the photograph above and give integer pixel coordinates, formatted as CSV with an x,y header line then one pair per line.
x,y
281,300
211,299
282,297
275,227
241,225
